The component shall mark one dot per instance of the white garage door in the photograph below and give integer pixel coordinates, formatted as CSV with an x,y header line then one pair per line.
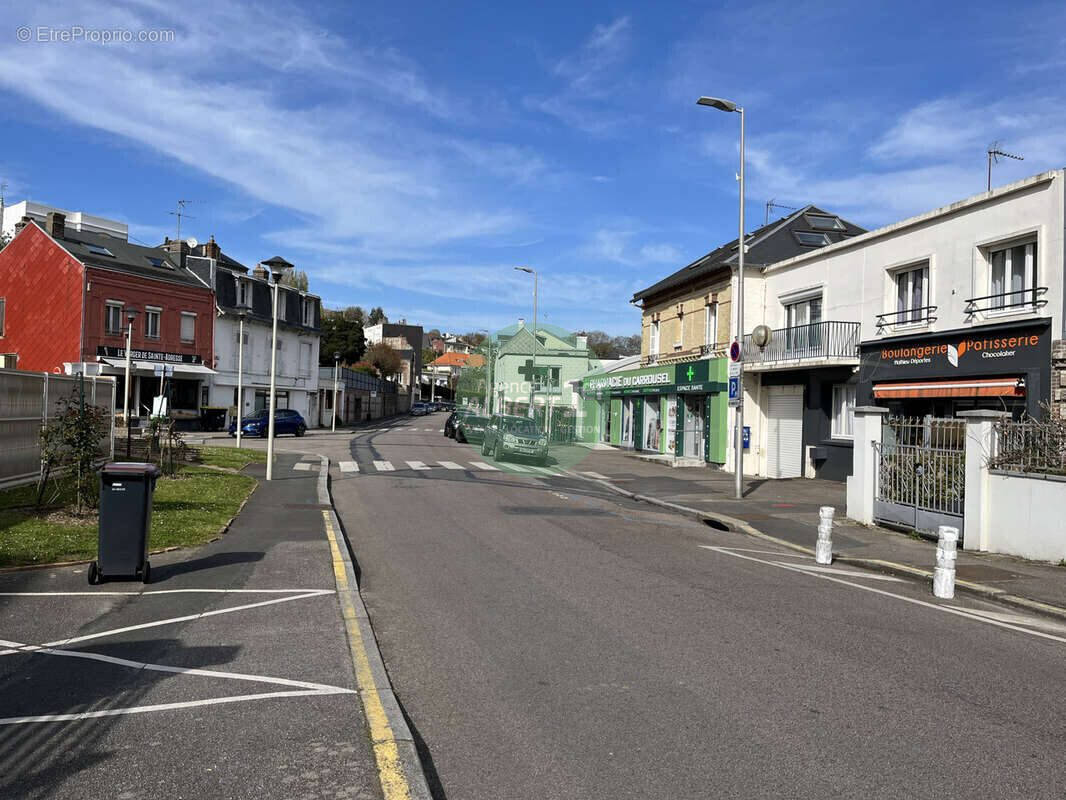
x,y
784,432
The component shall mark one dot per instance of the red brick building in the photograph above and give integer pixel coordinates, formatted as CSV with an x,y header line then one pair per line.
x,y
64,302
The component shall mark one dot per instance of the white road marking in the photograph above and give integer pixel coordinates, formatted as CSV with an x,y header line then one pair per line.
x,y
517,468
1034,622
546,471
383,466
302,465
148,593
942,608
596,475
484,466
349,466
771,553
450,465
417,465
873,576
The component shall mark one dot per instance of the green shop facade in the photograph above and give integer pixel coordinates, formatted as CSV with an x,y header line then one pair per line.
x,y
676,410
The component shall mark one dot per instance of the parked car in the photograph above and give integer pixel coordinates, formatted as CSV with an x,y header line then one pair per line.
x,y
453,420
470,428
419,409
258,423
509,436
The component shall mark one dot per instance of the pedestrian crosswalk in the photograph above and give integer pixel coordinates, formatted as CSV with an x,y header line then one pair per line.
x,y
473,467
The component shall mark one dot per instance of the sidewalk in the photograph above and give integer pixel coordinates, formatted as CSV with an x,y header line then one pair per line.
x,y
787,510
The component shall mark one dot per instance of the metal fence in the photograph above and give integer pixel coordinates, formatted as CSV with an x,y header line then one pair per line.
x,y
818,340
27,401
1030,446
921,472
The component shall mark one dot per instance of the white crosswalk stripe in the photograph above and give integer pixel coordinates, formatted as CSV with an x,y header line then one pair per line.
x,y
484,466
595,475
450,465
384,466
417,465
349,466
517,468
303,465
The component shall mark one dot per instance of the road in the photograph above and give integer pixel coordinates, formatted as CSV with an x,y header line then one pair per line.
x,y
548,640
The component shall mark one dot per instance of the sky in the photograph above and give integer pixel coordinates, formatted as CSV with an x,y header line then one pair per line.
x,y
409,155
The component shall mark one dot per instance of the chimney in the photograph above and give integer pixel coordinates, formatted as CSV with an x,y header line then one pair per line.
x,y
55,224
22,223
581,341
261,272
178,248
521,323
211,249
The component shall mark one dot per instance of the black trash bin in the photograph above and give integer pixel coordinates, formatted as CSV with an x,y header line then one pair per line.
x,y
125,516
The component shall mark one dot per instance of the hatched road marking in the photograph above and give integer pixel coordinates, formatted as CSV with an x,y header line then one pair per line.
x,y
484,466
417,465
450,465
383,466
349,466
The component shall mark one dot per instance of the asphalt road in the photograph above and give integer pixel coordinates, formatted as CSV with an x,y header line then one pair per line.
x,y
550,641
255,612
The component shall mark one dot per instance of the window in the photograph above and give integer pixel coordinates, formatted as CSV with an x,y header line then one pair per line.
x,y
824,222
710,324
812,239
151,322
653,348
238,342
3,316
912,295
113,318
243,292
803,335
843,411
308,312
1013,271
305,358
99,250
804,312
188,326
156,262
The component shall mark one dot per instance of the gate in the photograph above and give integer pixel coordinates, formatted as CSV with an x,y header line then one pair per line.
x,y
921,473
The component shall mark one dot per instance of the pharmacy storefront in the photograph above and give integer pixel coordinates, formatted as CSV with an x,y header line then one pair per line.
x,y
677,410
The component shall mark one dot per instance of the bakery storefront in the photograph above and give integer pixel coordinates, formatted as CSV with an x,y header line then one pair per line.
x,y
676,410
1002,367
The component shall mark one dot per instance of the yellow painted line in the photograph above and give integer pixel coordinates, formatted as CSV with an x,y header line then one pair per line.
x,y
390,770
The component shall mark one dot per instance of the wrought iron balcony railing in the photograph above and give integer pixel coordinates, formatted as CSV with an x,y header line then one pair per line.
x,y
1005,301
909,316
819,340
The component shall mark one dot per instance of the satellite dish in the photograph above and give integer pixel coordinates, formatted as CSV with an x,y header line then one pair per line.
x,y
191,242
761,335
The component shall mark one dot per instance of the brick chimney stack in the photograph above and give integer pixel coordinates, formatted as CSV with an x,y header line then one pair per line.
x,y
177,248
212,250
55,224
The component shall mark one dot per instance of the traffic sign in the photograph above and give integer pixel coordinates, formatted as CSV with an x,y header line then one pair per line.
x,y
734,369
734,351
734,391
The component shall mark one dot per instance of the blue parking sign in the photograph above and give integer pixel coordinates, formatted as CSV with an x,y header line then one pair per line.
x,y
734,391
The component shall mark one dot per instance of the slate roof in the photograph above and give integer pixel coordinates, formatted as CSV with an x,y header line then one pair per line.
x,y
769,244
110,252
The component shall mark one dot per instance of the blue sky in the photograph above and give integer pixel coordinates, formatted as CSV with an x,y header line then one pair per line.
x,y
408,155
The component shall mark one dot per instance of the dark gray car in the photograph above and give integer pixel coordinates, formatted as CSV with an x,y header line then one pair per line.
x,y
508,436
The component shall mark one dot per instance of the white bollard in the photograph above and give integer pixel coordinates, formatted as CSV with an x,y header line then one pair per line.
x,y
944,573
823,548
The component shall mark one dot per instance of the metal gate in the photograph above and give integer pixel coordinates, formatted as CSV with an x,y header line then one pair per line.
x,y
921,473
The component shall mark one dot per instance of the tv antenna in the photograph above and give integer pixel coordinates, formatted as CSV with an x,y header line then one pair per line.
x,y
3,191
770,206
994,154
181,213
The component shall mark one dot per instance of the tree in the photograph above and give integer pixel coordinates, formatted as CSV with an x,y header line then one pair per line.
x,y
603,345
599,344
296,278
377,316
355,314
384,359
429,355
625,345
4,240
473,339
340,335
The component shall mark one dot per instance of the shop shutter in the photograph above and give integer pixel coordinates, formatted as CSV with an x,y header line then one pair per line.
x,y
784,432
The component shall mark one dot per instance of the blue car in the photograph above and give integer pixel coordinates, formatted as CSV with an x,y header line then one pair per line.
x,y
257,423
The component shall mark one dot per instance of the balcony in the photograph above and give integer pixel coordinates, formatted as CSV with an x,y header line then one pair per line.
x,y
1005,302
908,316
805,345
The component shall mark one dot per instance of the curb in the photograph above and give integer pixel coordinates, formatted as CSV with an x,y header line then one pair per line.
x,y
879,565
399,766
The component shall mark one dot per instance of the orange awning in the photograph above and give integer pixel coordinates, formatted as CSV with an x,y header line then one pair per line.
x,y
969,387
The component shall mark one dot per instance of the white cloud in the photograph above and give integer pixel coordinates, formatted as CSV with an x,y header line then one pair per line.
x,y
616,246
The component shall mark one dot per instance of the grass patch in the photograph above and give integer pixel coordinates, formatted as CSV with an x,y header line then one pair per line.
x,y
231,457
187,510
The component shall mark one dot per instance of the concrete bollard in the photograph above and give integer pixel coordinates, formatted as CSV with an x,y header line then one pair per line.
x,y
944,573
823,548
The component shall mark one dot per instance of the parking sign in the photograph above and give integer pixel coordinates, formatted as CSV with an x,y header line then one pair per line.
x,y
734,391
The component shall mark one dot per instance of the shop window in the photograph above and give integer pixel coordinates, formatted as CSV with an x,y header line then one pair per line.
x,y
843,411
151,322
113,318
1013,276
188,327
912,295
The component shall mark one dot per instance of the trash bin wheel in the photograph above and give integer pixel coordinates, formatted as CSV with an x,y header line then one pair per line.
x,y
94,573
146,573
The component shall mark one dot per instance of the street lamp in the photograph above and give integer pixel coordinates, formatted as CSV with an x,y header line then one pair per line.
x,y
273,379
336,367
242,315
131,314
738,443
489,388
533,371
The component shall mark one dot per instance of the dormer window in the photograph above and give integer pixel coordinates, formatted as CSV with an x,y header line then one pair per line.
x,y
243,293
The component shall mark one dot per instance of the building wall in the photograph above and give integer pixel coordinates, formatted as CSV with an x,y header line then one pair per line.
x,y
686,328
42,289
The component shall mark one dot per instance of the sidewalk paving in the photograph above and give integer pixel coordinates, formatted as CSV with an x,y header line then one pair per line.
x,y
788,510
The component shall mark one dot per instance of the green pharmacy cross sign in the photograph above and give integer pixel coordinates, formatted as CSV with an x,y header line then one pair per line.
x,y
691,373
529,371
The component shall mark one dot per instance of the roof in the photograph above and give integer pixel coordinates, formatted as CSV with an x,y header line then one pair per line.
x,y
113,253
775,241
547,341
451,360
543,327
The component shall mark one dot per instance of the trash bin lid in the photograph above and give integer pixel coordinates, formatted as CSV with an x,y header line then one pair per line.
x,y
130,468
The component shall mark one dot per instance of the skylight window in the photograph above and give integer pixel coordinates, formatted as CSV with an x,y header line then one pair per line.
x,y
99,250
812,239
824,222
157,262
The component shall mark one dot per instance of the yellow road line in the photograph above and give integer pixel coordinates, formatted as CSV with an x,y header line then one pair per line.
x,y
390,769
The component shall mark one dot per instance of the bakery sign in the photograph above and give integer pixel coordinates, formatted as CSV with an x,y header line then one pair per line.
x,y
1001,349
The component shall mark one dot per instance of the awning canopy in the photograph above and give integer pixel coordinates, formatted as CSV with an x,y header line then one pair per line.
x,y
968,387
148,367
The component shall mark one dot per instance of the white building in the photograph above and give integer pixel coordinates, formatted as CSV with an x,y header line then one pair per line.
x,y
240,292
407,341
75,220
947,311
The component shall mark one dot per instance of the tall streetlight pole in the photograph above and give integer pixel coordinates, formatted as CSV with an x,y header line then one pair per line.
x,y
336,368
273,380
241,315
738,439
489,388
533,373
131,314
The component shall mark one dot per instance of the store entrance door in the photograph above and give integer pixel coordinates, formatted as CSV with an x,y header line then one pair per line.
x,y
627,421
695,410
